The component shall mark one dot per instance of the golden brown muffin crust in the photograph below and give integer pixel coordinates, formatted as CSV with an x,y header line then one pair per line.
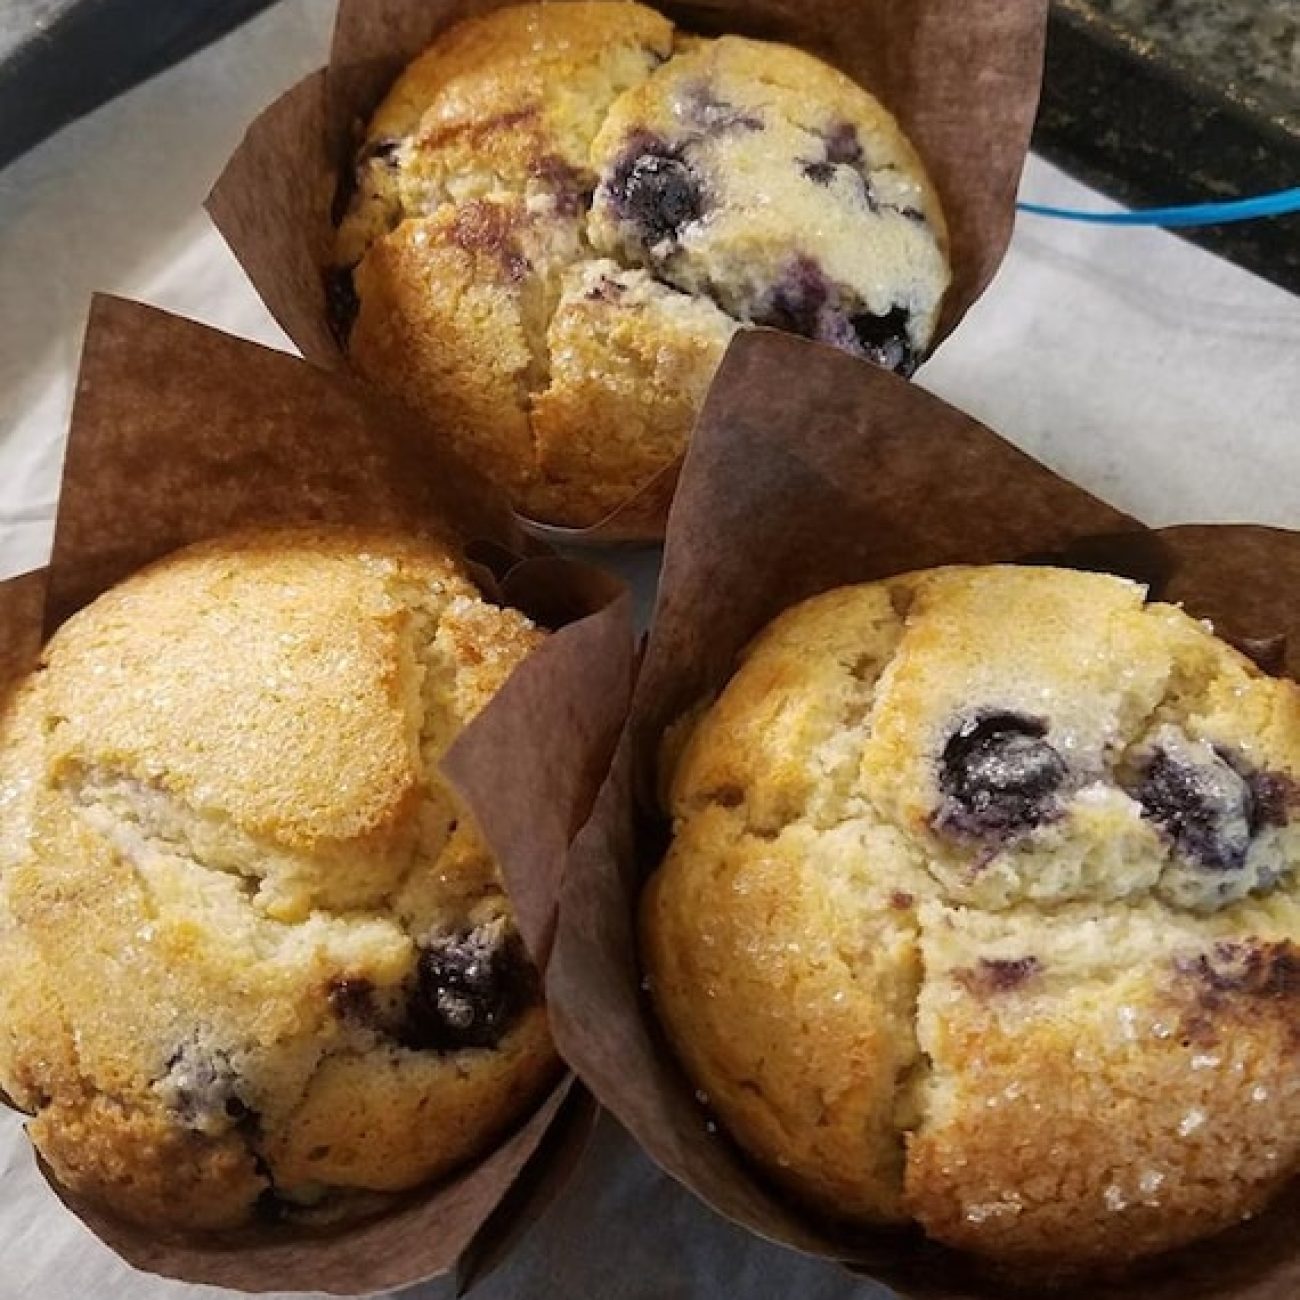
x,y
252,949
982,909
562,213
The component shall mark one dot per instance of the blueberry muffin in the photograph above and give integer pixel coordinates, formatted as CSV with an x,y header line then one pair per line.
x,y
562,213
982,911
254,957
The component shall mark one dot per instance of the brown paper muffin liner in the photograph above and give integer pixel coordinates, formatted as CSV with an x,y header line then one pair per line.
x,y
809,472
180,433
962,77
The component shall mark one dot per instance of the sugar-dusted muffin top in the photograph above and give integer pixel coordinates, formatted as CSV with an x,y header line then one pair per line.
x,y
563,212
755,176
983,909
254,956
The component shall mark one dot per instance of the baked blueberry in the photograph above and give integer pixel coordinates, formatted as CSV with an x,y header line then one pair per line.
x,y
1272,796
1269,970
656,188
999,776
270,1207
885,340
804,302
467,989
1205,807
203,1088
707,110
798,302
844,146
992,975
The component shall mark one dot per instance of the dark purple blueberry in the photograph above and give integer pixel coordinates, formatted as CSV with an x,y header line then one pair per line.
x,y
884,340
1204,806
203,1088
705,110
999,776
803,302
820,173
999,974
269,1207
798,302
657,190
1269,970
571,188
341,302
1272,796
1004,974
844,146
467,990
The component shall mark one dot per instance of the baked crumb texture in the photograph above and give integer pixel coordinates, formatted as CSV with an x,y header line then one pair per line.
x,y
982,909
254,959
561,214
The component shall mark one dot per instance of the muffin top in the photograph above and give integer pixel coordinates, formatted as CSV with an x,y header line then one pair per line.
x,y
562,213
255,955
757,177
982,908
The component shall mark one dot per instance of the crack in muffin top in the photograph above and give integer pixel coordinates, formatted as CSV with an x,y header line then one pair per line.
x,y
982,909
1096,747
708,184
248,935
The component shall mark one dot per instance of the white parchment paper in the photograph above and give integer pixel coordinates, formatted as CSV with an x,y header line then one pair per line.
x,y
1146,370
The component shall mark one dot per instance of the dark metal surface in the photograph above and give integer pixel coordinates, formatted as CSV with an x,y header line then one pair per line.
x,y
61,58
1149,120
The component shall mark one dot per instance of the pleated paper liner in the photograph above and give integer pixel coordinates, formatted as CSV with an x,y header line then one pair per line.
x,y
809,472
962,77
180,433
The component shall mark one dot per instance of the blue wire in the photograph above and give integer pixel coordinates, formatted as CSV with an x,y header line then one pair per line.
x,y
1194,214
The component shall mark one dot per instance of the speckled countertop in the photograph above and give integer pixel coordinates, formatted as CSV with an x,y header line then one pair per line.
x,y
1250,47
1162,102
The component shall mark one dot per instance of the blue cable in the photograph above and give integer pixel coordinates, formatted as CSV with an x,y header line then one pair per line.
x,y
1194,214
